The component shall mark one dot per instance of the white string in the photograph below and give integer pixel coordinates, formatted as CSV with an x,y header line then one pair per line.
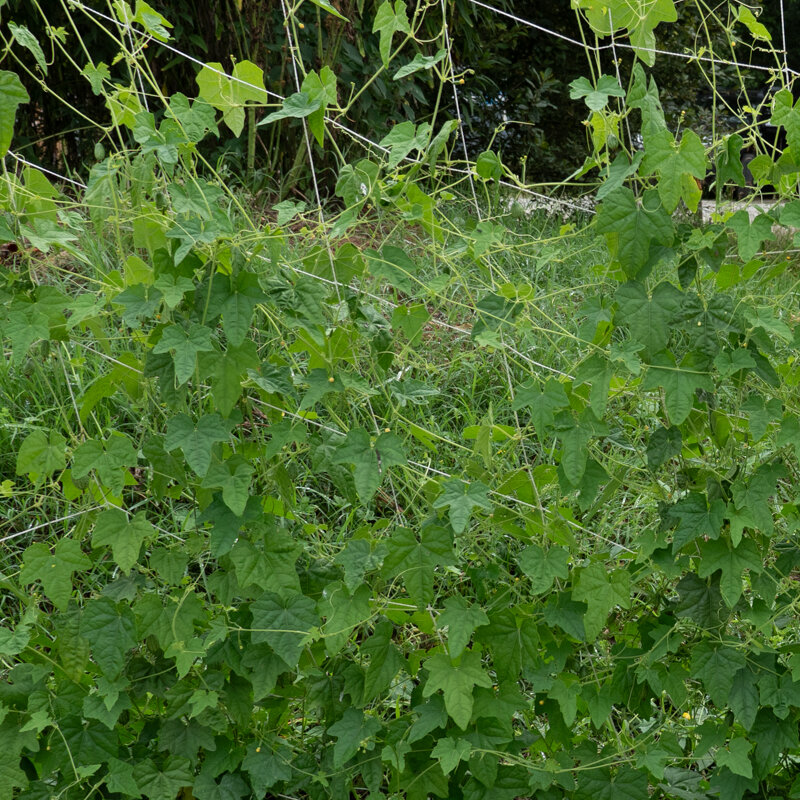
x,y
45,170
441,473
783,44
530,24
360,137
597,48
71,516
49,523
432,320
310,151
504,353
446,29
233,78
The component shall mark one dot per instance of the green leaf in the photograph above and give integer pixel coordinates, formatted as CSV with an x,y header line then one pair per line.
x,y
394,266
55,569
731,561
439,142
699,600
736,757
319,385
716,664
542,402
11,775
729,362
456,680
450,751
620,169
760,415
163,783
488,166
184,347
414,560
196,441
296,106
460,619
696,519
229,787
602,784
271,567
120,778
369,461
679,383
754,495
196,119
663,444
460,498
227,371
602,590
543,567
565,691
109,459
758,31
288,210
140,302
597,371
124,536
631,227
233,477
743,698
326,6
358,557
344,610
385,661
29,42
729,160
596,97
772,737
284,623
785,113
154,23
677,167
764,318
352,729
513,639
412,391
599,699
789,433
41,455
750,235
411,320
267,764
14,642
231,94
173,289
648,318
419,62
389,21
12,94
110,629
402,139
575,435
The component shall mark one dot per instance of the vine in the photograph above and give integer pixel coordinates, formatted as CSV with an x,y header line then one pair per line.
x,y
422,496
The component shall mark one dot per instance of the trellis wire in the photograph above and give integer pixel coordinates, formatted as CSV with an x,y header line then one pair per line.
x,y
46,171
655,50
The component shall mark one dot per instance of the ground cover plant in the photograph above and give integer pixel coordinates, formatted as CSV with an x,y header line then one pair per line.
x,y
416,492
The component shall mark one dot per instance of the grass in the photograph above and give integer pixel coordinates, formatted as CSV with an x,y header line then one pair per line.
x,y
534,302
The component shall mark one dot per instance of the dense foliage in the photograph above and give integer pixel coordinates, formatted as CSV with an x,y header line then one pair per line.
x,y
416,494
515,98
